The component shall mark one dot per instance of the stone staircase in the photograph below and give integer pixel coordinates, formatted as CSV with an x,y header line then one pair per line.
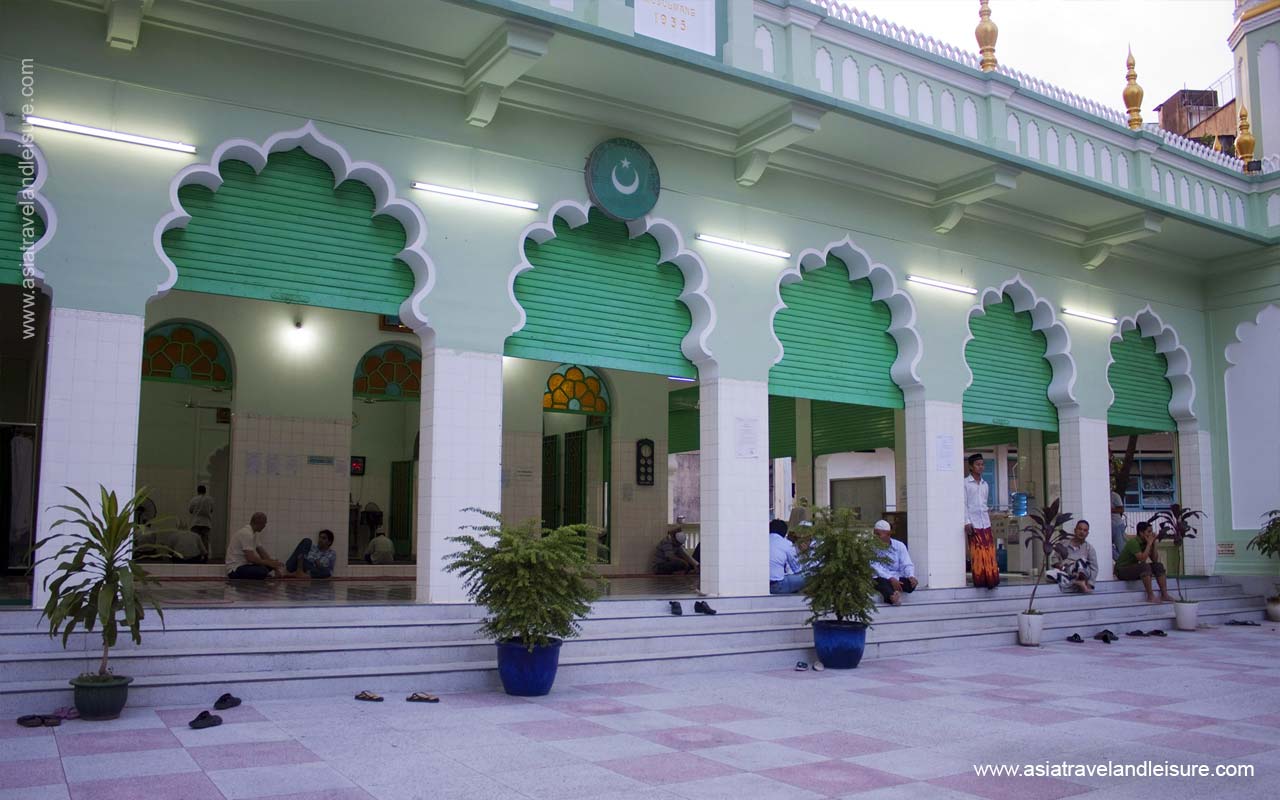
x,y
277,652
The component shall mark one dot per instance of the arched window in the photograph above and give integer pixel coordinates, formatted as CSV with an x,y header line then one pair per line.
x,y
875,87
924,103
1051,147
391,371
186,352
575,388
947,106
764,43
1033,140
849,79
823,69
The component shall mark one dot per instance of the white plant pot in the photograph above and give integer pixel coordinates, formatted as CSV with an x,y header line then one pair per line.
x,y
1185,616
1273,610
1030,628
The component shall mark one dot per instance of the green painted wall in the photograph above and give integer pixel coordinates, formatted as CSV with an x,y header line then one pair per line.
x,y
835,341
287,234
1142,391
843,428
597,296
1010,374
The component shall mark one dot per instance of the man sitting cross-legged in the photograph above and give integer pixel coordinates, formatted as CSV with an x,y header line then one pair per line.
x,y
898,574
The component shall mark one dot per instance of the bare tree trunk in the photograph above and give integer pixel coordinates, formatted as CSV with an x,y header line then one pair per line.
x,y
106,649
1121,482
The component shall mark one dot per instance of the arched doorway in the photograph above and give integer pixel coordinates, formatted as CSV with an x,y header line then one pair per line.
x,y
577,453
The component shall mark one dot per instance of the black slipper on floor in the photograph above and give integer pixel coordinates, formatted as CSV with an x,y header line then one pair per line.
x,y
676,610
205,720
701,607
422,697
226,701
1075,637
1157,632
1136,633
1245,622
801,666
369,697
31,721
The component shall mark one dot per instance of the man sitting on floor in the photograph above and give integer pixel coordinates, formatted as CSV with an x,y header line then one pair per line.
x,y
246,558
670,557
188,546
380,549
310,561
1140,561
898,575
785,574
1080,565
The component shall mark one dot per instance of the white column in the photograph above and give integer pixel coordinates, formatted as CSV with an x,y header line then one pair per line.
x,y
935,491
802,464
1000,475
734,427
1195,490
460,458
90,431
1086,489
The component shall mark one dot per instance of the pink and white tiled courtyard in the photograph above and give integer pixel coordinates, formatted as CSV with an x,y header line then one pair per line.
x,y
911,727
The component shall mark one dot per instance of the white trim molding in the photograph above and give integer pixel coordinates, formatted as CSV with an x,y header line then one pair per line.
x,y
344,168
671,249
1150,326
1043,319
884,287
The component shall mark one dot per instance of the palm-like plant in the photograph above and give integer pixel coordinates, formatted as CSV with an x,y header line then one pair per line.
x,y
1049,538
535,584
1267,542
97,580
1174,525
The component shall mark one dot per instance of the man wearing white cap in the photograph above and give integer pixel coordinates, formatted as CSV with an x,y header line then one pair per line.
x,y
897,574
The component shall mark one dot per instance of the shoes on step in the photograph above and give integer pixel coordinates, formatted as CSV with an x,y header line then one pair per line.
x,y
1106,636
227,700
1138,632
1075,637
801,666
817,666
1246,622
1157,632
676,610
205,720
701,607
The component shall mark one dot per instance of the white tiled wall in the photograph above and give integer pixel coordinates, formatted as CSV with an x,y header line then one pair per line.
x,y
521,475
460,457
1086,486
270,473
1195,483
91,412
935,490
734,430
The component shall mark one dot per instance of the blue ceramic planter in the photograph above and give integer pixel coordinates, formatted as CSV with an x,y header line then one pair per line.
x,y
528,674
839,644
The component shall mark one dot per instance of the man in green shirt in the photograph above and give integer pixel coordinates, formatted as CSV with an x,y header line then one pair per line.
x,y
1139,560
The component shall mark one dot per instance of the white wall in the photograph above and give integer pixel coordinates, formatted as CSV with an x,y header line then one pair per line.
x,y
1253,422
838,466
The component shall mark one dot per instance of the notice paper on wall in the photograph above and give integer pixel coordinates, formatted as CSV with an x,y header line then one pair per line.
x,y
746,437
252,463
686,23
944,445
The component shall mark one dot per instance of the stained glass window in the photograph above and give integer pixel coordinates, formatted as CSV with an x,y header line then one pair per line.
x,y
391,371
574,388
185,352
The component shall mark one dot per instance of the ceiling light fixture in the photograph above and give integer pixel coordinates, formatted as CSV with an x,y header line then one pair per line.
x,y
750,248
953,287
102,133
1087,315
681,380
466,195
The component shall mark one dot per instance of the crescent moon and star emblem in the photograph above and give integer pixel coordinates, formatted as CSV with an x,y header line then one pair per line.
x,y
629,188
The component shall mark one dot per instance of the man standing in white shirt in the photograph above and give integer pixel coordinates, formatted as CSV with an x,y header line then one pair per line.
x,y
201,510
247,559
897,574
977,526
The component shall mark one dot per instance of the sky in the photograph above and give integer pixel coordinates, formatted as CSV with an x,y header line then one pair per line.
x,y
1080,45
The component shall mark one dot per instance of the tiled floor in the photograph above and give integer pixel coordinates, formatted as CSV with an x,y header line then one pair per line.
x,y
896,729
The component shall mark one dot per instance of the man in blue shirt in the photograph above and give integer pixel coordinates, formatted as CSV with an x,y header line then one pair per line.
x,y
898,574
311,561
785,574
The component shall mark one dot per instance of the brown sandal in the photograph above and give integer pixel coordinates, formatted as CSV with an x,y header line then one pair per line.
x,y
369,697
421,697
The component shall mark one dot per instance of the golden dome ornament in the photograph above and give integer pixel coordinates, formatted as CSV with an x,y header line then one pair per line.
x,y
986,33
1133,95
1244,138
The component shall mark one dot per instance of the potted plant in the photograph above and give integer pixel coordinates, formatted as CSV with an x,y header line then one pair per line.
x,y
1267,542
98,582
841,585
535,586
1174,525
1046,533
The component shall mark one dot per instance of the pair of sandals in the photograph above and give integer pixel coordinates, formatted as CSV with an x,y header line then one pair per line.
x,y
804,667
48,720
1139,632
207,720
699,607
1107,636
416,697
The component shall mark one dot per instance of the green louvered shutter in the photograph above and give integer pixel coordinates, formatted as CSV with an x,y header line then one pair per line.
x,y
978,435
835,341
1142,391
287,234
1010,374
11,222
782,427
596,296
843,428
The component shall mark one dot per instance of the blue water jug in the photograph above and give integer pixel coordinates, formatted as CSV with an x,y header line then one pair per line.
x,y
1018,504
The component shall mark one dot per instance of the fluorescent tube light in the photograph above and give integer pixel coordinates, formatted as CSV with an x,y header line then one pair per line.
x,y
101,133
954,287
1087,315
682,380
483,198
751,248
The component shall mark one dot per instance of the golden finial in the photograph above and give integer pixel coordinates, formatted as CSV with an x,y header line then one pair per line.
x,y
1244,139
1217,144
986,33
1133,95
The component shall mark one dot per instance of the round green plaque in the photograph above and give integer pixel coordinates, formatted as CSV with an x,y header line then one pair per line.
x,y
622,179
